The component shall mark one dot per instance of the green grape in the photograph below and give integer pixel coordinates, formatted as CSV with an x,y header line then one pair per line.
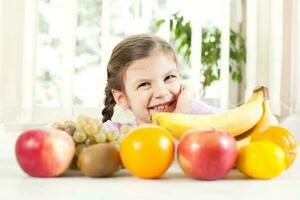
x,y
91,128
100,137
125,129
90,141
58,125
89,120
80,124
112,136
69,123
79,136
79,149
99,124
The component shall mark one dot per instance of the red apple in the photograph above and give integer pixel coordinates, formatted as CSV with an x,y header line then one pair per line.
x,y
44,153
207,155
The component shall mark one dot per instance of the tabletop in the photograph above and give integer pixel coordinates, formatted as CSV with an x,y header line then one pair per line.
x,y
15,184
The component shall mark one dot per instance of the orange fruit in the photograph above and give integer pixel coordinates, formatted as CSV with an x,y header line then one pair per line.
x,y
261,160
147,151
283,138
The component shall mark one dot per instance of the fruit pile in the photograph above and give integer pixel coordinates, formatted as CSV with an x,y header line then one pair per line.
x,y
87,132
209,146
265,149
82,144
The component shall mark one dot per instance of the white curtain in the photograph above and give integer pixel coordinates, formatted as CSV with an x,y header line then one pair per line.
x,y
18,33
292,121
273,56
269,27
11,33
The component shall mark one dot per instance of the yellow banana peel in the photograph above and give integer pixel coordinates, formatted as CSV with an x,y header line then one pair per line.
x,y
267,119
236,121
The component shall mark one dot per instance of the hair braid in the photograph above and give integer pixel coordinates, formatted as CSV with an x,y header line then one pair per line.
x,y
109,103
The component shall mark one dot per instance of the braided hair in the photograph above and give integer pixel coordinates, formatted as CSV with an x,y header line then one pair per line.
x,y
127,51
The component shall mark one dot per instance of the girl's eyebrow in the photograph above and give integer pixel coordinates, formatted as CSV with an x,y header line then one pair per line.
x,y
170,71
147,80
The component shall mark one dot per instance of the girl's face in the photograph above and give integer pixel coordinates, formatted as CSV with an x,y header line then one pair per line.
x,y
152,84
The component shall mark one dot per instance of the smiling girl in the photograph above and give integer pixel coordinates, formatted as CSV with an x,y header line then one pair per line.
x,y
143,76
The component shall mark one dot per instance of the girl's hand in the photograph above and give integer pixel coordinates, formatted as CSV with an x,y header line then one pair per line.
x,y
183,101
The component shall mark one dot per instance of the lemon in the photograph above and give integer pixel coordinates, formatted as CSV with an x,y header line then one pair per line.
x,y
282,137
261,160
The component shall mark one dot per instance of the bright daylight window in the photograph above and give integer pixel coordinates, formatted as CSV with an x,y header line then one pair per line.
x,y
74,39
62,49
93,22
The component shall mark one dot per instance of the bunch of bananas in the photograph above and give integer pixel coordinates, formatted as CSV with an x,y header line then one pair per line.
x,y
242,122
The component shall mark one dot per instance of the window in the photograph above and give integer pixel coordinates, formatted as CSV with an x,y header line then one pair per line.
x,y
49,54
100,24
70,44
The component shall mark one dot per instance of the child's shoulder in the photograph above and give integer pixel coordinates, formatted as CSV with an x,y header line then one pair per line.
x,y
199,107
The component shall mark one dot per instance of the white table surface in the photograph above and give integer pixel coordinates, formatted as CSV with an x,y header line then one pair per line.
x,y
14,184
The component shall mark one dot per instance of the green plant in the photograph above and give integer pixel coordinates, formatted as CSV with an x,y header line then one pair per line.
x,y
210,56
181,35
210,52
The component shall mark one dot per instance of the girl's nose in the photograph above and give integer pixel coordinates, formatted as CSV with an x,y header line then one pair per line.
x,y
160,91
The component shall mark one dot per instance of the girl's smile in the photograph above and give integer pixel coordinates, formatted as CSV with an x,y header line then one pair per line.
x,y
163,107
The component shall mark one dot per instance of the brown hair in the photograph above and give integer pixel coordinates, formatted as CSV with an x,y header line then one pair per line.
x,y
128,50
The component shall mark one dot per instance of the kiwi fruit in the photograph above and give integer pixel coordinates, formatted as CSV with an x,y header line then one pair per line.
x,y
99,160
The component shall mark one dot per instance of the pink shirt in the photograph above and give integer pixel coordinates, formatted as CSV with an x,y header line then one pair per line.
x,y
196,107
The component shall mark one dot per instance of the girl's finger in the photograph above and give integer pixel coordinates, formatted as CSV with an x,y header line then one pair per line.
x,y
181,88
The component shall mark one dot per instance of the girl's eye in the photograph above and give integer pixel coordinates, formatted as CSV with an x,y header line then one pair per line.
x,y
143,85
170,77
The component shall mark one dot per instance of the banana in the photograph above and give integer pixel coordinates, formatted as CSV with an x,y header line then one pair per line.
x,y
267,119
155,116
235,121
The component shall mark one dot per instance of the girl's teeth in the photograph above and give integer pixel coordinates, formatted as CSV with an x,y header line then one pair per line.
x,y
161,107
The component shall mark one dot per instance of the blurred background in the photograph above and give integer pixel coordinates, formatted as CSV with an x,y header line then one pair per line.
x,y
53,53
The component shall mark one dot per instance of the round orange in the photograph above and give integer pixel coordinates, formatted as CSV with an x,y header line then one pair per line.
x,y
147,151
283,138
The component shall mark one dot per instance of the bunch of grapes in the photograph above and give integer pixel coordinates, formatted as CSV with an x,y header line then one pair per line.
x,y
87,131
